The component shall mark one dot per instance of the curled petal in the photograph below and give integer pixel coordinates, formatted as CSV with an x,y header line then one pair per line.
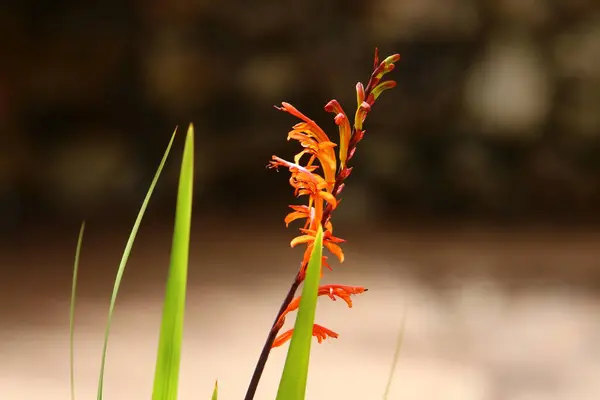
x,y
334,239
342,291
287,107
320,332
302,239
294,216
329,198
281,339
335,250
325,264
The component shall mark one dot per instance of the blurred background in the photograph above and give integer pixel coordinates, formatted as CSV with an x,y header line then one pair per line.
x,y
473,207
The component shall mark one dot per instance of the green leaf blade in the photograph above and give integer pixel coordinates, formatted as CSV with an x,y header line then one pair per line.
x,y
215,394
295,371
123,264
166,377
72,311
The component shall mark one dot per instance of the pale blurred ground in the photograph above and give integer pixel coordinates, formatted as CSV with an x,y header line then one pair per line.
x,y
491,314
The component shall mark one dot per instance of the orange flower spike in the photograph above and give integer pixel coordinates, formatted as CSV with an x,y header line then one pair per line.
x,y
383,68
341,120
320,332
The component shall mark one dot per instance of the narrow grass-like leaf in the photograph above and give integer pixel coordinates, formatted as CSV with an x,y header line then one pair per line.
x,y
166,376
295,371
396,358
215,394
72,311
123,263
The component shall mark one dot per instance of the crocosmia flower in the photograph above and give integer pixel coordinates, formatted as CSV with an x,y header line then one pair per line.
x,y
316,175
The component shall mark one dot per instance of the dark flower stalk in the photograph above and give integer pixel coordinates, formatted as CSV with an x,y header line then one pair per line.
x,y
322,192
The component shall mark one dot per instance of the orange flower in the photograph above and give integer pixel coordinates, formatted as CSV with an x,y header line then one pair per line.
x,y
320,332
342,291
305,182
315,142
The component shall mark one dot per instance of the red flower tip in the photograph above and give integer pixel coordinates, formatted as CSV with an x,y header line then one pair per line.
x,y
351,153
392,59
345,173
360,94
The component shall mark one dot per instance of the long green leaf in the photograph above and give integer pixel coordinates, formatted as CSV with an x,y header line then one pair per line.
x,y
123,263
166,376
295,371
215,394
72,310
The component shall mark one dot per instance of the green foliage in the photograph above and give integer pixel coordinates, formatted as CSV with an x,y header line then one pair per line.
x,y
72,311
166,377
295,371
215,394
123,263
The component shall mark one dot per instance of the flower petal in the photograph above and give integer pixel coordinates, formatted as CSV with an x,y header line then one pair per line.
x,y
281,339
302,239
328,197
322,333
335,250
294,216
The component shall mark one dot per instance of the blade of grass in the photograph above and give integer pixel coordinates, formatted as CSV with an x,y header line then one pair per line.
x,y
72,310
295,371
123,263
166,376
215,394
396,357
